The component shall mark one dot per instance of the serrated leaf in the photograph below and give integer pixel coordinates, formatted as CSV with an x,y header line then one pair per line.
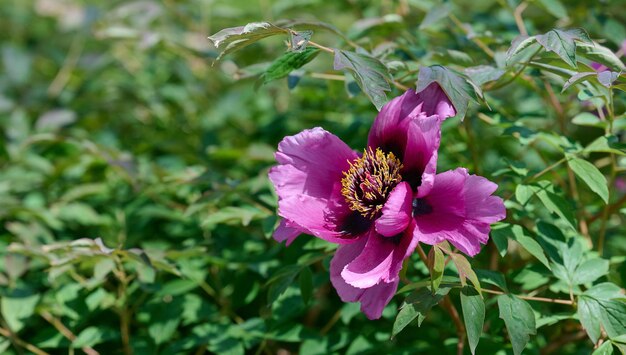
x,y
371,75
519,319
288,62
436,13
590,175
563,43
473,308
416,305
600,54
235,38
458,90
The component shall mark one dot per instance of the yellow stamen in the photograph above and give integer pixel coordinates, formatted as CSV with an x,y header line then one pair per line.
x,y
369,181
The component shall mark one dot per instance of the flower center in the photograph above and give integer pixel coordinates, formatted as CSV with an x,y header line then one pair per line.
x,y
369,181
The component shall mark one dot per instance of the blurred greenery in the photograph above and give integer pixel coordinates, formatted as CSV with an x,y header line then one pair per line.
x,y
135,210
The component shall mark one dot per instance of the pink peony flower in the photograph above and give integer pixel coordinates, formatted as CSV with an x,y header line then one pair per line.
x,y
380,204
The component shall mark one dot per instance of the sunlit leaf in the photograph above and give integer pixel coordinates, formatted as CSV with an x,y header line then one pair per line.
x,y
371,75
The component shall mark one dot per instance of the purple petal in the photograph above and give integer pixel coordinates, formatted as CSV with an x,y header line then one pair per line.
x,y
396,213
316,216
374,299
308,184
285,232
462,210
380,260
312,163
420,158
436,102
390,127
372,265
410,127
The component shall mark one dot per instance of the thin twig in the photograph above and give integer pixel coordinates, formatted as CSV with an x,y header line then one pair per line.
x,y
458,323
531,298
5,332
63,76
519,21
331,322
66,332
325,49
330,50
476,41
449,307
328,76
557,344
611,209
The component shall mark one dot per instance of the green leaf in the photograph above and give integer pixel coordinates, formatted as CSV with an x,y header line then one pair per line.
x,y
588,119
602,306
518,234
164,319
523,193
459,91
306,284
18,307
563,43
590,270
235,38
500,238
590,175
289,61
465,270
578,78
491,277
606,144
473,308
519,45
588,311
416,305
600,54
91,336
483,74
605,349
436,13
519,319
372,76
436,264
553,202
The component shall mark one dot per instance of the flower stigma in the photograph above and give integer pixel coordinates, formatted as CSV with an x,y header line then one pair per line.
x,y
370,179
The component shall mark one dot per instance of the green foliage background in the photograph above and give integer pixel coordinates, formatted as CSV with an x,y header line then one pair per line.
x,y
136,214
